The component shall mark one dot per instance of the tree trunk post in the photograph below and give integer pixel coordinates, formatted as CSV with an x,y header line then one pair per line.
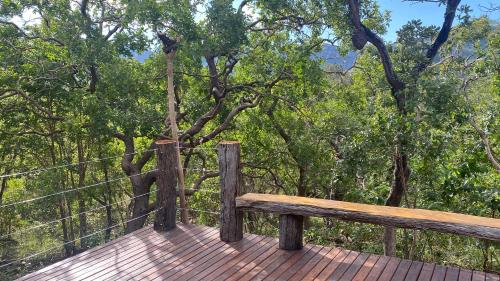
x,y
231,227
166,181
291,231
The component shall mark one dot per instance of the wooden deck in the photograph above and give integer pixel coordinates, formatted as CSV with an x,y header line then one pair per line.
x,y
193,252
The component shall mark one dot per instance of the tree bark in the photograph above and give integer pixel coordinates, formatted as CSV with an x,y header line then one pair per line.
x,y
82,216
231,227
399,186
486,144
166,183
360,36
108,199
68,246
169,48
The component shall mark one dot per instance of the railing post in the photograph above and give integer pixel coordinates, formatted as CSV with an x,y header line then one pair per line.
x,y
166,182
291,232
231,227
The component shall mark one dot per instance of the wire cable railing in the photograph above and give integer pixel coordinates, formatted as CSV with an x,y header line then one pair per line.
x,y
74,240
74,215
70,165
72,190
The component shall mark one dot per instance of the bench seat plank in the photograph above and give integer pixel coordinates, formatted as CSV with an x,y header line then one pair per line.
x,y
480,227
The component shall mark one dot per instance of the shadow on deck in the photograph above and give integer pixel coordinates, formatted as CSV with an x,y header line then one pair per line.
x,y
193,252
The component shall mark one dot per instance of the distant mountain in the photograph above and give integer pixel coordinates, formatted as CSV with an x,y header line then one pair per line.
x,y
142,56
329,54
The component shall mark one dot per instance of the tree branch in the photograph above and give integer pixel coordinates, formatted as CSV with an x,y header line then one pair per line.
x,y
31,37
362,34
449,16
12,92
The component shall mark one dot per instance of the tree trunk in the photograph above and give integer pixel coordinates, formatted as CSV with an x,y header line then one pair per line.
x,y
398,188
82,216
170,55
141,205
3,187
70,218
68,246
108,200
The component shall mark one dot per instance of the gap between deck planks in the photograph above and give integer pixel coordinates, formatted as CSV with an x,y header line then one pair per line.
x,y
193,252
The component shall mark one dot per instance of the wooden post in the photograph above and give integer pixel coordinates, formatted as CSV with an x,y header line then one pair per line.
x,y
166,181
231,227
291,231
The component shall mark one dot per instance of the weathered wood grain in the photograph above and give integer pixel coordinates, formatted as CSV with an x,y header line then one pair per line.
x,y
480,227
291,232
366,268
231,227
166,181
193,252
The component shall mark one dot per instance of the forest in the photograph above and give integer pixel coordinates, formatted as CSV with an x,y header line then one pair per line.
x,y
413,123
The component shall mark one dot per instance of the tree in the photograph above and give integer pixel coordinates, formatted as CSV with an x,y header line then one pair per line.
x,y
402,93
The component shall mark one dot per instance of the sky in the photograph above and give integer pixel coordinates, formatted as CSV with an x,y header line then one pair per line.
x,y
428,13
401,12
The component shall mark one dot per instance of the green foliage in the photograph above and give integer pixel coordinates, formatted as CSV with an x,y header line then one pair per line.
x,y
67,89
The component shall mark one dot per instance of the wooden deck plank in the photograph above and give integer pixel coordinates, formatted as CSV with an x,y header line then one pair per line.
x,y
165,252
414,271
402,270
318,268
341,269
232,262
236,265
219,260
332,266
354,267
164,264
82,257
281,269
157,241
492,277
310,264
366,268
193,252
426,272
275,257
122,263
204,257
272,251
465,275
272,266
478,276
301,264
439,273
389,269
452,274
378,268
80,268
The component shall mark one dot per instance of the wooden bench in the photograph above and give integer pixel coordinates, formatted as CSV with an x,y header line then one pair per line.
x,y
293,208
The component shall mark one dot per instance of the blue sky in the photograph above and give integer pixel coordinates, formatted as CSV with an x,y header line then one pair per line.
x,y
428,13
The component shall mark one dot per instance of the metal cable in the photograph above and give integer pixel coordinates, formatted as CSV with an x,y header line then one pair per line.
x,y
71,190
72,241
74,215
69,165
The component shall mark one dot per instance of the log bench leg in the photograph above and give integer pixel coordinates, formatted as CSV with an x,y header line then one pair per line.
x,y
291,232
